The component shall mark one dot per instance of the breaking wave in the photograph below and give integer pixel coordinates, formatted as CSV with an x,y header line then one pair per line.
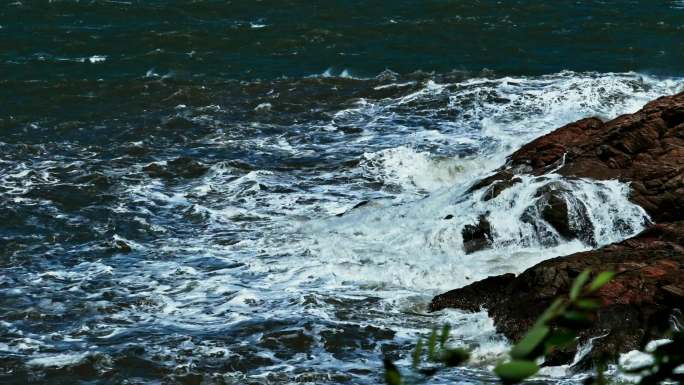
x,y
283,250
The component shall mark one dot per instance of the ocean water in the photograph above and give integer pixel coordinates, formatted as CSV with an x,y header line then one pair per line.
x,y
181,183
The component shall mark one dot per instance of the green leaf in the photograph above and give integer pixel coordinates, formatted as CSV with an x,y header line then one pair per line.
x,y
455,357
445,335
600,372
579,283
600,281
575,320
417,353
515,371
556,307
530,342
432,344
587,304
559,339
392,375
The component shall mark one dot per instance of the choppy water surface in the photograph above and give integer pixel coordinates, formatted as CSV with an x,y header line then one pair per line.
x,y
170,206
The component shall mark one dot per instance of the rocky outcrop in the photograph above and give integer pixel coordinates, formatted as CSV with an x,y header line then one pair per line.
x,y
637,303
645,149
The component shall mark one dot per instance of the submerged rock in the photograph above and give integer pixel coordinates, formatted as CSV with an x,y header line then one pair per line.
x,y
118,246
356,206
184,167
554,210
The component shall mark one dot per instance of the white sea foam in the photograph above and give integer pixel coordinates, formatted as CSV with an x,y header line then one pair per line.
x,y
263,107
411,169
412,245
332,73
636,359
57,360
97,59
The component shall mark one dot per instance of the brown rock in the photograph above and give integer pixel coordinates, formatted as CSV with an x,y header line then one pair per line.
x,y
478,236
498,186
637,303
645,148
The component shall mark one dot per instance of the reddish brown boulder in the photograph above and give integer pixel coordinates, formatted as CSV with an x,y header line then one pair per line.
x,y
637,303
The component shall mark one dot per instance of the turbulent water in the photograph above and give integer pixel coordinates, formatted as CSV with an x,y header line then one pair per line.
x,y
181,185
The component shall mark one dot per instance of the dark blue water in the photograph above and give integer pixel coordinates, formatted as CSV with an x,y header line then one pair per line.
x,y
70,52
268,39
171,174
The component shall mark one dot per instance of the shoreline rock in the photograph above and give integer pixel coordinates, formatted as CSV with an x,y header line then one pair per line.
x,y
645,149
637,303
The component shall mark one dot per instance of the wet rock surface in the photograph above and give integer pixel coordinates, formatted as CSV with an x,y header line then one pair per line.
x,y
645,149
571,221
498,186
477,236
637,303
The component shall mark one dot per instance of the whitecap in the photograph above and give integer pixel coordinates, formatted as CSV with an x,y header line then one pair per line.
x,y
97,59
57,360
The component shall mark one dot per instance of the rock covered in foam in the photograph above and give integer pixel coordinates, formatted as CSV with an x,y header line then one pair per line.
x,y
570,220
477,236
